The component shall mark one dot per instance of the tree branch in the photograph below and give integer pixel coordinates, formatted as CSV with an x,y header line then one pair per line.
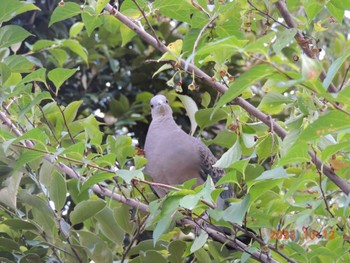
x,y
99,190
303,43
340,182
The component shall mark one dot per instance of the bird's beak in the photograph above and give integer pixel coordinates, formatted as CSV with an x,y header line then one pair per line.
x,y
161,108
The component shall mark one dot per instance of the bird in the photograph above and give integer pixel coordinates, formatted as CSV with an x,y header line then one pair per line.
x,y
175,156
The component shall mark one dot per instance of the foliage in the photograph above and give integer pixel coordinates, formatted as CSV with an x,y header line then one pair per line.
x,y
75,82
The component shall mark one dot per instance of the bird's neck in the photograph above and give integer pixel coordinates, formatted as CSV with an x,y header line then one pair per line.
x,y
164,121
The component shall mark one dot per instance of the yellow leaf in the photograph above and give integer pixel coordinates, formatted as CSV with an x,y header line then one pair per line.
x,y
174,51
338,164
319,28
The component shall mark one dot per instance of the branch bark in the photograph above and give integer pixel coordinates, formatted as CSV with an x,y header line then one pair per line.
x,y
98,189
340,182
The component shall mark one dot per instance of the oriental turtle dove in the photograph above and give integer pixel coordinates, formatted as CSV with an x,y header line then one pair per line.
x,y
174,156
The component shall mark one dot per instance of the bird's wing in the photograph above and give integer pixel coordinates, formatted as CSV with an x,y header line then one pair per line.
x,y
207,160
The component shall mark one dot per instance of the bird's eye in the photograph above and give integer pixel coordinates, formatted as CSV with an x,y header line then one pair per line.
x,y
151,106
167,102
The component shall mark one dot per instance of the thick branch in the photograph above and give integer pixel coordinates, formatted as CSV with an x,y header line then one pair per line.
x,y
340,182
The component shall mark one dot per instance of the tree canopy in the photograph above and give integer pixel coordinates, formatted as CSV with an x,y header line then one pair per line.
x,y
265,84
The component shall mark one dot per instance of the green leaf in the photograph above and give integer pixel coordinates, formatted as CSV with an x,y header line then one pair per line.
x,y
96,248
38,75
122,217
333,149
208,117
312,8
91,22
275,173
109,226
176,249
105,160
59,75
60,55
182,11
12,8
39,98
86,209
9,190
58,190
231,156
152,256
5,73
42,214
19,64
202,256
91,126
75,29
267,146
75,47
100,5
230,44
35,134
62,12
96,178
334,68
9,244
260,188
295,154
127,5
41,44
128,175
273,103
190,201
236,211
332,122
139,162
335,11
162,226
27,157
162,68
247,79
70,112
283,39
191,109
199,241
259,45
12,34
14,79
127,34
19,224
122,147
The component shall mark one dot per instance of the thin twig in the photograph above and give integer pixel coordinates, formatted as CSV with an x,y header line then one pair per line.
x,y
134,184
136,234
199,7
66,124
49,125
343,82
147,21
201,32
97,189
323,194
266,14
303,43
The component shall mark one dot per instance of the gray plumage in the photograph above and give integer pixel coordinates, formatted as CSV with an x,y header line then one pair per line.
x,y
174,156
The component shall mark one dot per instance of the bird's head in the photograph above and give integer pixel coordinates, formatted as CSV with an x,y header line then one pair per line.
x,y
160,107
